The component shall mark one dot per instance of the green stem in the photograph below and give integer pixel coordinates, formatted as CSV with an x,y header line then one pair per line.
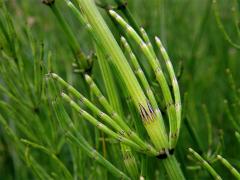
x,y
77,52
173,169
114,99
139,72
221,26
110,46
205,164
99,125
128,15
229,166
131,134
117,119
156,67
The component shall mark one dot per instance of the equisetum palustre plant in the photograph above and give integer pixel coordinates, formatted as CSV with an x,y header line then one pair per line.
x,y
152,129
143,98
139,90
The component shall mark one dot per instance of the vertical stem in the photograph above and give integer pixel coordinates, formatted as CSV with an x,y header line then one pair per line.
x,y
173,169
128,15
110,45
75,47
107,41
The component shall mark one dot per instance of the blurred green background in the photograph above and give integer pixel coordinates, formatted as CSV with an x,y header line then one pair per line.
x,y
194,41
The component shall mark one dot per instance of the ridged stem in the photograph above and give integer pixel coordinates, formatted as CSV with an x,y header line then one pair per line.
x,y
107,41
156,66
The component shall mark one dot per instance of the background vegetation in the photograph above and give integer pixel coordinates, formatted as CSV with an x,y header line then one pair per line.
x,y
203,47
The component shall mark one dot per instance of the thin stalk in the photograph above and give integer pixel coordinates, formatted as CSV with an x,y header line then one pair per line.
x,y
131,134
94,154
114,100
176,90
30,161
74,45
75,137
147,40
75,11
205,164
221,26
139,72
99,125
51,154
115,116
124,9
209,125
91,106
193,134
108,80
229,167
230,116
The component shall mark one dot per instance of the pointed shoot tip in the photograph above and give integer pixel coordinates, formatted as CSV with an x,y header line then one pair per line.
x,y
112,13
157,40
88,78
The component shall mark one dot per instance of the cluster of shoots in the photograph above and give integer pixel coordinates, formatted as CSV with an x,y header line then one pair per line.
x,y
137,86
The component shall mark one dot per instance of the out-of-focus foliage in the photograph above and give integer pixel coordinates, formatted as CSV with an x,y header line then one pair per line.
x,y
207,64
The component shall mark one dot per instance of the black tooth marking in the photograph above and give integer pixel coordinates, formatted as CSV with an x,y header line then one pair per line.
x,y
162,156
165,153
171,151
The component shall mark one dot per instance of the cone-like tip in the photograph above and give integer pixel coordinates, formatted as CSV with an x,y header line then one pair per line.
x,y
157,40
87,78
123,39
112,13
63,94
53,75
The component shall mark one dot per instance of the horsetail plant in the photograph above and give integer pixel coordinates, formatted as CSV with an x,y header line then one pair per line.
x,y
156,67
107,41
117,113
